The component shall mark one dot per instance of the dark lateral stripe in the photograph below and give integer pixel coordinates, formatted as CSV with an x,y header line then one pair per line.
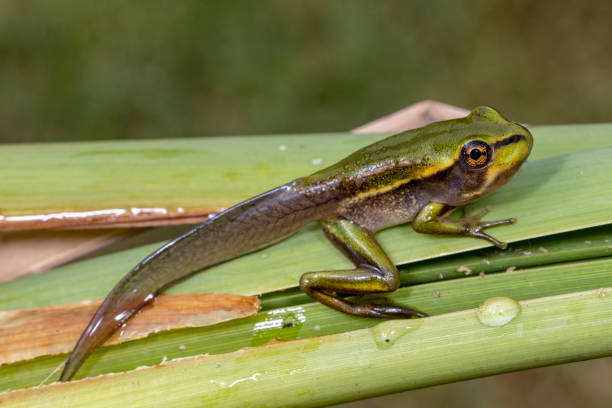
x,y
509,140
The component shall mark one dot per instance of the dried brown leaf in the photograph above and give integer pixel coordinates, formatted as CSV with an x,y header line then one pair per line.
x,y
30,333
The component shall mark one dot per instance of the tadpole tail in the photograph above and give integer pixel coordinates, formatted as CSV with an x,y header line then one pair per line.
x,y
246,227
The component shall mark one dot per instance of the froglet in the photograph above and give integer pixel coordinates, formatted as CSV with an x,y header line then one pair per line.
x,y
418,176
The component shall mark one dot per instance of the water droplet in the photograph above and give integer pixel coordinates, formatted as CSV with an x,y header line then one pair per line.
x,y
387,333
498,311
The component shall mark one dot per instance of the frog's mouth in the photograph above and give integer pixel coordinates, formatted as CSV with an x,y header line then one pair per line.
x,y
510,154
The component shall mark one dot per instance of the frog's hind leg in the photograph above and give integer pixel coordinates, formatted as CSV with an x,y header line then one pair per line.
x,y
374,273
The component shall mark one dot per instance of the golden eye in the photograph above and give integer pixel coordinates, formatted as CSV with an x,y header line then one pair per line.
x,y
476,154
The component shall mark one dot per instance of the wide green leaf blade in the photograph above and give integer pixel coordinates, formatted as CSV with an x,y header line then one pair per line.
x,y
198,173
548,196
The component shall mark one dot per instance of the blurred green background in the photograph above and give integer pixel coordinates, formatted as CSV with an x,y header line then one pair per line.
x,y
75,70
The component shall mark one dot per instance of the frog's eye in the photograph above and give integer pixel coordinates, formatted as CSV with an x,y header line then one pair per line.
x,y
476,154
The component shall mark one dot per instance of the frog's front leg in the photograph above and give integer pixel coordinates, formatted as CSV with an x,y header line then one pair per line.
x,y
433,219
374,273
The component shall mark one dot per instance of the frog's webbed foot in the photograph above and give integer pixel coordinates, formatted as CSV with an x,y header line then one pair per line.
x,y
433,219
474,228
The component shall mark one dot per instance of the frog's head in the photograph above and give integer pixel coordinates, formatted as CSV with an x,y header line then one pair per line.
x,y
488,151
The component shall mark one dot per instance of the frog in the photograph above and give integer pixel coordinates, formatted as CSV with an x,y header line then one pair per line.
x,y
419,176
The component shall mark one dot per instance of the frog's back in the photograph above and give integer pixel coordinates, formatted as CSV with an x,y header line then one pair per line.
x,y
399,158
409,156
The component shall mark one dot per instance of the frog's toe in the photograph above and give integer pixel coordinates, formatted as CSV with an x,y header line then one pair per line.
x,y
474,219
394,312
482,213
479,234
490,224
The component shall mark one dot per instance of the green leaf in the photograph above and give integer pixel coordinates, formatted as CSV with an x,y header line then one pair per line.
x,y
548,196
393,356
583,244
314,319
196,173
563,203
